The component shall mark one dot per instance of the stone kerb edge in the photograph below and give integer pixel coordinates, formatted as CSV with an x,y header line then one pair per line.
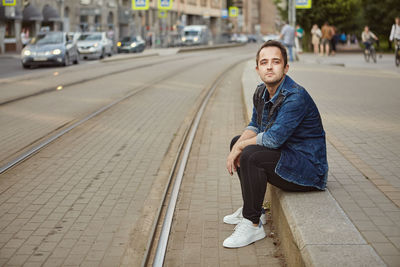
x,y
313,229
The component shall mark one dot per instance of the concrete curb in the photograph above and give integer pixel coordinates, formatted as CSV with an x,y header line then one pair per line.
x,y
313,228
120,57
206,47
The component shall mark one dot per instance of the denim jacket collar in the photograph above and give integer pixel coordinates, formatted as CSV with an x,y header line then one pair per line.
x,y
273,99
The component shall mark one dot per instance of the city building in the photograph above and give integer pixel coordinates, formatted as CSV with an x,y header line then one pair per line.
x,y
117,17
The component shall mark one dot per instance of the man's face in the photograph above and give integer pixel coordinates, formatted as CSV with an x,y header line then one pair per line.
x,y
397,20
270,66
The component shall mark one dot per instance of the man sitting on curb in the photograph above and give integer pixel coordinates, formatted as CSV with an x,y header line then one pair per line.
x,y
284,144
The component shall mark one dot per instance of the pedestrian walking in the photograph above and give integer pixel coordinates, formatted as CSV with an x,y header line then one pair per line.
x,y
287,36
284,144
316,38
334,40
327,34
299,38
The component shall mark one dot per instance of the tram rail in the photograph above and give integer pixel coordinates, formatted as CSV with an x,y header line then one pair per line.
x,y
176,174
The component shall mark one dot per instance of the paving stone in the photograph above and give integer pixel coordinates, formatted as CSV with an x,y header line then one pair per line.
x,y
210,194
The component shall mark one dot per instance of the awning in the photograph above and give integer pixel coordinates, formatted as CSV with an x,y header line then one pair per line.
x,y
31,13
10,12
50,14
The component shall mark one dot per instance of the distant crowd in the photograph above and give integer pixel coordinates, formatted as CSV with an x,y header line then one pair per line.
x,y
324,40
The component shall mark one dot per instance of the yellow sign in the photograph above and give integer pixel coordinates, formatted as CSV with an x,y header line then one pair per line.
x,y
9,2
233,11
303,4
165,4
162,14
140,4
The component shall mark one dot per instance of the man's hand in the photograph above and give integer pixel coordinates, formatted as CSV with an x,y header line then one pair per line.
x,y
233,159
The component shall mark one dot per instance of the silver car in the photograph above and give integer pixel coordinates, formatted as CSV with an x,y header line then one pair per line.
x,y
94,45
50,48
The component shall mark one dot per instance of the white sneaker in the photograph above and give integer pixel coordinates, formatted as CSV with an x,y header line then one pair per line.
x,y
245,233
237,216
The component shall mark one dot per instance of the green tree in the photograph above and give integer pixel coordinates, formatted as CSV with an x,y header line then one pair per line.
x,y
345,15
379,15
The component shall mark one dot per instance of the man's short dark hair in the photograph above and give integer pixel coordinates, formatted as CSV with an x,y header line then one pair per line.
x,y
272,43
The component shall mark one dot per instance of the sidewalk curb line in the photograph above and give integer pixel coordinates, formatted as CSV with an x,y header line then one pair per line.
x,y
113,59
201,48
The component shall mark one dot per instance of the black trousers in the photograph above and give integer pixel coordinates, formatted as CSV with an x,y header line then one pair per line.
x,y
257,168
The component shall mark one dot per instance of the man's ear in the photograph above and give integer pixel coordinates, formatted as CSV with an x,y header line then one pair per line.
x,y
257,68
286,68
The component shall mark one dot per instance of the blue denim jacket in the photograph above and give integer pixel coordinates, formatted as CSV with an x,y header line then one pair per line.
x,y
298,132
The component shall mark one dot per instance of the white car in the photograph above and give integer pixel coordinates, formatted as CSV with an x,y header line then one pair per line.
x,y
95,44
269,37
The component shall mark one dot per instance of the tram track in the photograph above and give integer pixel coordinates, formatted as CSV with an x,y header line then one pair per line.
x,y
72,125
84,80
161,230
205,94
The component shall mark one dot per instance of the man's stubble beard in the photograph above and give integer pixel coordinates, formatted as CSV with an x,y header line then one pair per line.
x,y
274,83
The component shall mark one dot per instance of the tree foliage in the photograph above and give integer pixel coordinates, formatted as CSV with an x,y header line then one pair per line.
x,y
343,14
379,15
349,16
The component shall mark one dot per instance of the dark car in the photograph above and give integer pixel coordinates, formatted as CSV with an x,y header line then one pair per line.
x,y
50,48
131,44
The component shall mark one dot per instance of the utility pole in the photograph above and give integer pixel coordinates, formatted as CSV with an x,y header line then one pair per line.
x,y
292,12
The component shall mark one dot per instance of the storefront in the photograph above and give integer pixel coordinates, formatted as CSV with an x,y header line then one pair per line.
x,y
10,28
31,22
51,18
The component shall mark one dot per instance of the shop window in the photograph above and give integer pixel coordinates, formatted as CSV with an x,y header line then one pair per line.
x,y
10,29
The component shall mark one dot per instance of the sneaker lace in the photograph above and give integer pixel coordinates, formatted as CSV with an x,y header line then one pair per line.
x,y
239,229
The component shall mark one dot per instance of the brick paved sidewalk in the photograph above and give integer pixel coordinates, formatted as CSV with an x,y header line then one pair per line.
x,y
208,193
362,128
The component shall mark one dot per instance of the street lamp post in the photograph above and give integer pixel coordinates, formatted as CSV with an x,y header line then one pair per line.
x,y
292,12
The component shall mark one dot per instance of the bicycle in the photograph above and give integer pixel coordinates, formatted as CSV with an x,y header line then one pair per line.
x,y
370,52
397,52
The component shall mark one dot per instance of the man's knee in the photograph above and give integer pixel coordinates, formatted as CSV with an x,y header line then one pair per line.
x,y
247,152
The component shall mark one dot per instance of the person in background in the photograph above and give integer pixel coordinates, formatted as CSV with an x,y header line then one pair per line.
x,y
287,36
316,38
395,32
334,40
299,38
367,38
327,34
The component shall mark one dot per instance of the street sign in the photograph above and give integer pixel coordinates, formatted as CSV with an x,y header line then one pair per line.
x,y
9,2
165,4
224,13
303,4
140,4
233,11
162,13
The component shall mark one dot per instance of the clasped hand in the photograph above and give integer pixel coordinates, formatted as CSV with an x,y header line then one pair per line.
x,y
233,160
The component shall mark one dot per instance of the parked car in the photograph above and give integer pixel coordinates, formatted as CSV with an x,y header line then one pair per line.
x,y
94,45
50,48
74,36
268,37
130,44
252,38
195,35
238,38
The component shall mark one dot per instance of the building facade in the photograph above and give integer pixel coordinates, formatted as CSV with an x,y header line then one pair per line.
x,y
24,20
